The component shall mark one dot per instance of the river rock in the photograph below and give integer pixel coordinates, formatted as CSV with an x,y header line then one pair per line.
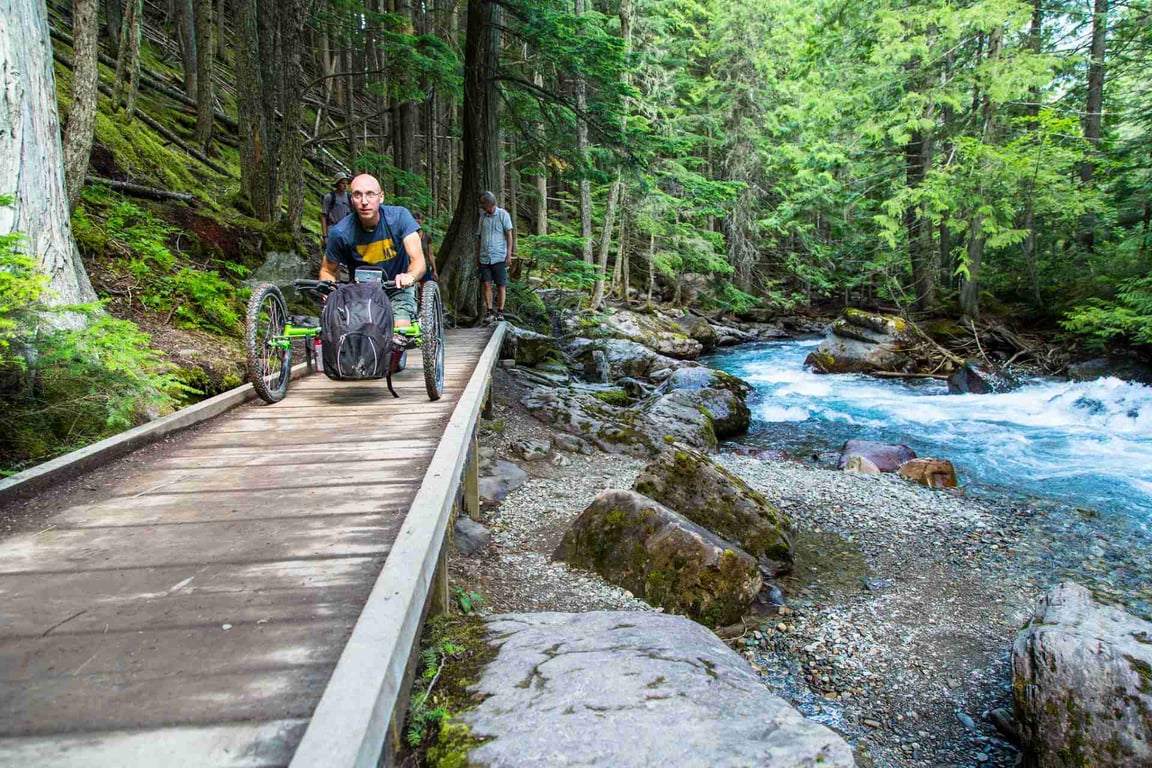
x,y
863,342
886,457
978,378
696,327
528,347
715,395
628,690
1126,368
572,444
663,557
469,536
934,473
610,428
727,336
504,478
532,450
1082,683
687,481
861,465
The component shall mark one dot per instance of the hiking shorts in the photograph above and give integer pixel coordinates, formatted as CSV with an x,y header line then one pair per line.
x,y
403,303
494,273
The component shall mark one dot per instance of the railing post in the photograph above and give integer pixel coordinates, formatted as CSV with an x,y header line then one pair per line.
x,y
472,480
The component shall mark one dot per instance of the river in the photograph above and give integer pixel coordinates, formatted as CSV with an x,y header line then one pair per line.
x,y
1086,445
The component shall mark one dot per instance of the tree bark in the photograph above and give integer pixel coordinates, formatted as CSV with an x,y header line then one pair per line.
x,y
32,157
113,17
85,97
1094,112
606,242
186,37
291,82
582,152
481,165
205,33
253,139
1031,261
128,57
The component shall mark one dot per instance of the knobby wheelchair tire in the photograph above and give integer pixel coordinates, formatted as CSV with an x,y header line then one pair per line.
x,y
432,339
269,365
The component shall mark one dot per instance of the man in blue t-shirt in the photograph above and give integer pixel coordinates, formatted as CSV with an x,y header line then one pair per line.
x,y
381,236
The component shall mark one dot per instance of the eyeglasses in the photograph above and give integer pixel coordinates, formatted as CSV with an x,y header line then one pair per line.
x,y
358,196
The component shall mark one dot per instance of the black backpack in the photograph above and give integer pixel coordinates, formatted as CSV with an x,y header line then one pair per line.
x,y
357,332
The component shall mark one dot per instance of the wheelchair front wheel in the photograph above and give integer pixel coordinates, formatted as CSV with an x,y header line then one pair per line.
x,y
269,351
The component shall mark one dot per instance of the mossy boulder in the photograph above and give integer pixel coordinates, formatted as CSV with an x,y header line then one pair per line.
x,y
607,360
653,330
1082,683
687,481
696,327
864,342
717,398
528,347
660,555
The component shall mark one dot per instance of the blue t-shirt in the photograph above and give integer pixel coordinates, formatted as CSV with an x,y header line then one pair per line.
x,y
353,246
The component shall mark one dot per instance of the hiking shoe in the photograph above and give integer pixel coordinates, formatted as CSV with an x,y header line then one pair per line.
x,y
499,315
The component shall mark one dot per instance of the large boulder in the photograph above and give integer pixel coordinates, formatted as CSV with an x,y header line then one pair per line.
x,y
863,342
663,557
528,347
886,457
687,481
727,336
653,330
1082,683
501,479
691,393
1126,368
606,360
628,690
695,406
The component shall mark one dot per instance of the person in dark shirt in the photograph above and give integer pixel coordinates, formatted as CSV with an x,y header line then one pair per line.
x,y
334,207
385,237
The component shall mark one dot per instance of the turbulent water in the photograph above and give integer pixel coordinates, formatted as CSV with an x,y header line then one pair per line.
x,y
1085,444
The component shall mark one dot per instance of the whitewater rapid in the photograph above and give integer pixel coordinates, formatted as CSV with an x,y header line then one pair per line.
x,y
1088,444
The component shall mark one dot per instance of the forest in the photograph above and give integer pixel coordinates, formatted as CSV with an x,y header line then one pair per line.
x,y
753,157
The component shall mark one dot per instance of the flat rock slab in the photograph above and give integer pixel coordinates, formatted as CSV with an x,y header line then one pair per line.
x,y
624,689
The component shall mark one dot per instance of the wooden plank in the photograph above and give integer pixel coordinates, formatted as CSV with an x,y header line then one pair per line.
x,y
168,508
295,456
93,549
41,604
255,479
224,745
115,701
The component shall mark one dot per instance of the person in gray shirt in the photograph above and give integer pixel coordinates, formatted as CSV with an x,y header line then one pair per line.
x,y
334,207
495,249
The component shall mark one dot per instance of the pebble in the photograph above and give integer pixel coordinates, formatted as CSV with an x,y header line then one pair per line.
x,y
967,721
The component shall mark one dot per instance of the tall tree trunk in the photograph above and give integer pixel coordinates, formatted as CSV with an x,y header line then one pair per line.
x,y
221,29
541,219
273,98
481,167
291,82
606,242
254,149
128,57
113,18
408,114
349,105
582,151
915,170
205,33
482,158
82,114
651,259
186,36
32,158
1094,111
1031,261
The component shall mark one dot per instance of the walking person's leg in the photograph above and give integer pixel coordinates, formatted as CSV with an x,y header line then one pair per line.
x,y
500,277
486,289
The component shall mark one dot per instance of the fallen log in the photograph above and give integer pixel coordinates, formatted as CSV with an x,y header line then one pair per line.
x,y
139,190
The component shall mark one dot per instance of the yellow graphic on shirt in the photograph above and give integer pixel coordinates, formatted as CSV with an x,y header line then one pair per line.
x,y
376,252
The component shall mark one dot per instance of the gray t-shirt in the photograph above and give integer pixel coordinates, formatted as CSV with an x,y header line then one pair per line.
x,y
490,231
335,207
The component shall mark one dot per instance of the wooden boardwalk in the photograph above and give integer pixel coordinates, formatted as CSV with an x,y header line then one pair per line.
x,y
194,614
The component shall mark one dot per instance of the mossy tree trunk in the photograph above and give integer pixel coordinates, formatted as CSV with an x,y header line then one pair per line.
x,y
32,158
259,57
582,151
291,83
481,166
205,33
113,13
85,96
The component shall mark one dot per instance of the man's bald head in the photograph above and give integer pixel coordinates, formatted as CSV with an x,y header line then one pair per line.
x,y
365,195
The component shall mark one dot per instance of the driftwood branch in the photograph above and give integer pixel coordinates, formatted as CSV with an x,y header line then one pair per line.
x,y
139,190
